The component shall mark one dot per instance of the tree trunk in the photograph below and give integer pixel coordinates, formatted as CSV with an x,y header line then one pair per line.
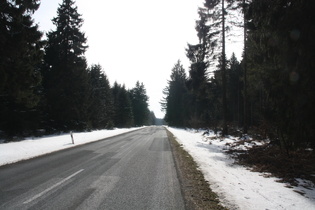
x,y
225,128
245,126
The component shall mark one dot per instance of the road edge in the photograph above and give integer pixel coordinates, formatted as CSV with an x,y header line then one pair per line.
x,y
67,148
195,189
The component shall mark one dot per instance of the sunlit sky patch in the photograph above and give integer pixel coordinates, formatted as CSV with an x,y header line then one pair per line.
x,y
137,40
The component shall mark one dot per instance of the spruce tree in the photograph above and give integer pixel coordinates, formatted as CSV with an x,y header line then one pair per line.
x,y
218,15
243,5
152,119
139,100
175,93
281,68
100,109
201,55
123,116
198,53
20,57
65,71
234,91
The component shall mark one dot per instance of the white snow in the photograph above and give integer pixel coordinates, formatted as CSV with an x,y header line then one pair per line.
x,y
236,186
29,148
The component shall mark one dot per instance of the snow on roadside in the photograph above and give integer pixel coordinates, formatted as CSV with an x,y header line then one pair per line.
x,y
237,187
16,151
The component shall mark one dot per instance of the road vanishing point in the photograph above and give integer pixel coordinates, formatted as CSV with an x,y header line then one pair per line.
x,y
134,170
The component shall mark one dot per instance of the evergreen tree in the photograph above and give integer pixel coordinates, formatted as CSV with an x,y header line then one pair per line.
x,y
20,57
234,90
100,109
199,56
123,116
139,100
175,93
65,70
218,16
243,5
152,119
281,60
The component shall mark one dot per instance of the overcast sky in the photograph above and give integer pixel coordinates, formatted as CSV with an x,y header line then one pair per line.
x,y
138,40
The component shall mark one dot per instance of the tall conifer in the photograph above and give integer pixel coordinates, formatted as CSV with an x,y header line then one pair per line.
x,y
65,72
175,95
139,100
20,56
100,109
123,116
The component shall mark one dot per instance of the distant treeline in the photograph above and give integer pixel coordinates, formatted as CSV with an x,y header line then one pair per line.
x,y
46,85
270,91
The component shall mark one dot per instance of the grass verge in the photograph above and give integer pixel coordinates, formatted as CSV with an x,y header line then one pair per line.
x,y
195,188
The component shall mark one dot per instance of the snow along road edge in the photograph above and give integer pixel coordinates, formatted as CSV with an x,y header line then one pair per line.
x,y
13,152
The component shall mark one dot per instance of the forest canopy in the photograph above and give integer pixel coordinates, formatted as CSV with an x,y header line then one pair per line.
x,y
269,91
46,85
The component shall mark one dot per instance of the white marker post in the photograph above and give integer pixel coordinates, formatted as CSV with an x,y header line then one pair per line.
x,y
71,134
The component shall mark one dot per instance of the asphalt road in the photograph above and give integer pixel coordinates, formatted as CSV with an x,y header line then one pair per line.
x,y
131,171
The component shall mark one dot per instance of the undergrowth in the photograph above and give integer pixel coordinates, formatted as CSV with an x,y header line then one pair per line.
x,y
269,158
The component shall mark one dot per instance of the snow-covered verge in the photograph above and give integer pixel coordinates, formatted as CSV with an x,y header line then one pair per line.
x,y
33,147
236,186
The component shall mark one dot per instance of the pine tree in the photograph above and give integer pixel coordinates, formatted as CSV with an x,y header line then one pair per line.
x,y
65,71
152,119
243,5
218,16
123,116
245,109
175,93
20,57
100,110
234,90
281,61
139,100
199,56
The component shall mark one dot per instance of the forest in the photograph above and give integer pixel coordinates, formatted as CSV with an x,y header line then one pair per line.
x,y
46,85
269,92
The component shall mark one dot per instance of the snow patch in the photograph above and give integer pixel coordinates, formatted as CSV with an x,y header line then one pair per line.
x,y
32,147
237,187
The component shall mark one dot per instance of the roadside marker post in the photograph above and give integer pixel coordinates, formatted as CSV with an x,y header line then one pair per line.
x,y
71,134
